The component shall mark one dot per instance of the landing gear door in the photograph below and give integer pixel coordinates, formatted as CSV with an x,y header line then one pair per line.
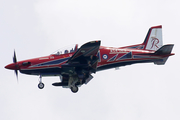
x,y
88,79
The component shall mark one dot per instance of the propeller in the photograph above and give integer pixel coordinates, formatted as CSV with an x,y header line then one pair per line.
x,y
16,65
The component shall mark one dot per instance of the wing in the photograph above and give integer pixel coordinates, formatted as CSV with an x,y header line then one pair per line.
x,y
85,57
81,64
86,50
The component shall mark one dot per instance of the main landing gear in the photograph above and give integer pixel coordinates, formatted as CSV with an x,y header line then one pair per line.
x,y
72,84
74,89
40,85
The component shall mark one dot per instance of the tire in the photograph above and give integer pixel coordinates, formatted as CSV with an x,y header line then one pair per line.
x,y
41,85
74,89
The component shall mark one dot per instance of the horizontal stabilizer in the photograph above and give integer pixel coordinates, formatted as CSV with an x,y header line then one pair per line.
x,y
165,50
161,61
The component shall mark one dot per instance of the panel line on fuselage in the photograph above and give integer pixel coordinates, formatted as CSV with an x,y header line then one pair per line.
x,y
42,71
123,63
53,62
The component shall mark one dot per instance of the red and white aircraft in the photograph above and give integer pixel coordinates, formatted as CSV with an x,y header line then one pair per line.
x,y
76,65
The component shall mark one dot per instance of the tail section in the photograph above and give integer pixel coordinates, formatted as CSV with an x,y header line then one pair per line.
x,y
153,40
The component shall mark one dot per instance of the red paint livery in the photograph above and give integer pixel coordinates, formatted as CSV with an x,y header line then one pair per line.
x,y
75,66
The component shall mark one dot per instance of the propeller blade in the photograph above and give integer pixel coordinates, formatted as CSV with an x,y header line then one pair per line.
x,y
15,61
16,72
14,58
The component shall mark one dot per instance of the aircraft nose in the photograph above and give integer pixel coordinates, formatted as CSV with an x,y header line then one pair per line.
x,y
11,66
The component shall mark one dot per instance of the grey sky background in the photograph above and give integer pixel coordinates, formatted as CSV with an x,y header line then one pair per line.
x,y
36,28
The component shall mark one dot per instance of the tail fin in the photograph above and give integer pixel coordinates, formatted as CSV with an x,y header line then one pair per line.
x,y
153,40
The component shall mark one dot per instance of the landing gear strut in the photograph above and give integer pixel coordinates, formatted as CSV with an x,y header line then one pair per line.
x,y
40,85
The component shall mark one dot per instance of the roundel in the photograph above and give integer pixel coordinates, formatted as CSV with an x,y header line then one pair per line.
x,y
105,56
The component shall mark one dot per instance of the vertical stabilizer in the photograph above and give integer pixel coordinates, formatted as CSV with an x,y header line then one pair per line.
x,y
153,40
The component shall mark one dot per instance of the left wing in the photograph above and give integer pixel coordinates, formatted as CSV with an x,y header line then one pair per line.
x,y
80,65
85,57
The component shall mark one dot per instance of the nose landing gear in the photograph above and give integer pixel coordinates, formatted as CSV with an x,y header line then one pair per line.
x,y
40,85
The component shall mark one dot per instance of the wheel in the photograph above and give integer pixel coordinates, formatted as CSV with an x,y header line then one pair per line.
x,y
74,89
41,85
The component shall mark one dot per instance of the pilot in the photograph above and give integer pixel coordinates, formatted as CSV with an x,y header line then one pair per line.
x,y
58,53
71,50
66,51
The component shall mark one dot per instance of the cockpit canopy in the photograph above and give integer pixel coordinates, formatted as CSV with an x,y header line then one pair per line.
x,y
65,50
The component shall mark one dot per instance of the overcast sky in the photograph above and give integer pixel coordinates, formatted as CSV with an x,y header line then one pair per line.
x,y
37,28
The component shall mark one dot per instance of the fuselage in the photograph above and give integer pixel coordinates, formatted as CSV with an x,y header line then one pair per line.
x,y
109,57
75,66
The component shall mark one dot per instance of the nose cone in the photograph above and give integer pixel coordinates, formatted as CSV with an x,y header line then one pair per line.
x,y
11,66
